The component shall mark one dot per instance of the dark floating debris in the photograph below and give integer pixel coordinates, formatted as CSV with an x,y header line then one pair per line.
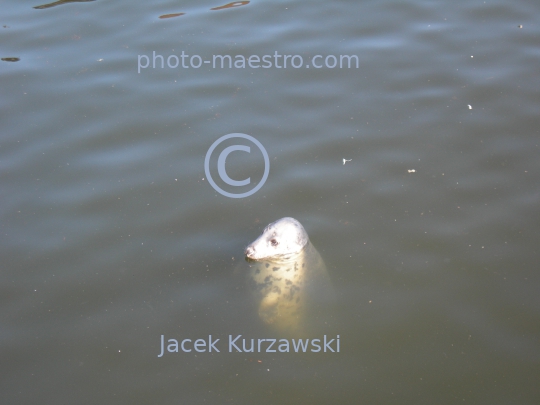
x,y
60,2
233,4
171,15
229,5
11,59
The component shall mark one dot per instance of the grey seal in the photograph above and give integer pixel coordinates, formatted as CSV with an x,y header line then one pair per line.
x,y
287,274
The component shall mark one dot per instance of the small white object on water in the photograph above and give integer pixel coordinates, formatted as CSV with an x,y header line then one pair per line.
x,y
470,106
345,161
411,170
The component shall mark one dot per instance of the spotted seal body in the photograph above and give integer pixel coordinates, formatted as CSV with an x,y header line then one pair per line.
x,y
286,274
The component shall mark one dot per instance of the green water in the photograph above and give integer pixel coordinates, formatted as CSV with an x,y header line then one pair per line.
x,y
112,236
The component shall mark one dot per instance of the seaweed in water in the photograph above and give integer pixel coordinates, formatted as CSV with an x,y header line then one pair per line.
x,y
233,4
59,2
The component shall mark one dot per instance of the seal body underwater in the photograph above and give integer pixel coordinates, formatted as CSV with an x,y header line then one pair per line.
x,y
287,275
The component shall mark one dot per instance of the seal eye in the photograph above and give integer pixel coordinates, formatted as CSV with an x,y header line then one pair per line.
x,y
274,242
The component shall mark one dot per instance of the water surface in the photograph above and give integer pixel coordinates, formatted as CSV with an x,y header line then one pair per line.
x,y
112,236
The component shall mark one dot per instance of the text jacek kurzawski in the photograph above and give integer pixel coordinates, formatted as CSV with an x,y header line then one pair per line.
x,y
242,345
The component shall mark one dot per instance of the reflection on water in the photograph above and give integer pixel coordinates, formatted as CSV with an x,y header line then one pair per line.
x,y
230,5
171,15
60,2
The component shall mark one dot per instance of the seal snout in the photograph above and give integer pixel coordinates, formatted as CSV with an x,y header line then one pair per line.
x,y
250,251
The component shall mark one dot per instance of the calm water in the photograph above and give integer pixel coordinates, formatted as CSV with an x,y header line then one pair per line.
x,y
112,236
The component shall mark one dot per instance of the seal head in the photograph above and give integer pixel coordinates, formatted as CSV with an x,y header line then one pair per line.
x,y
281,240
